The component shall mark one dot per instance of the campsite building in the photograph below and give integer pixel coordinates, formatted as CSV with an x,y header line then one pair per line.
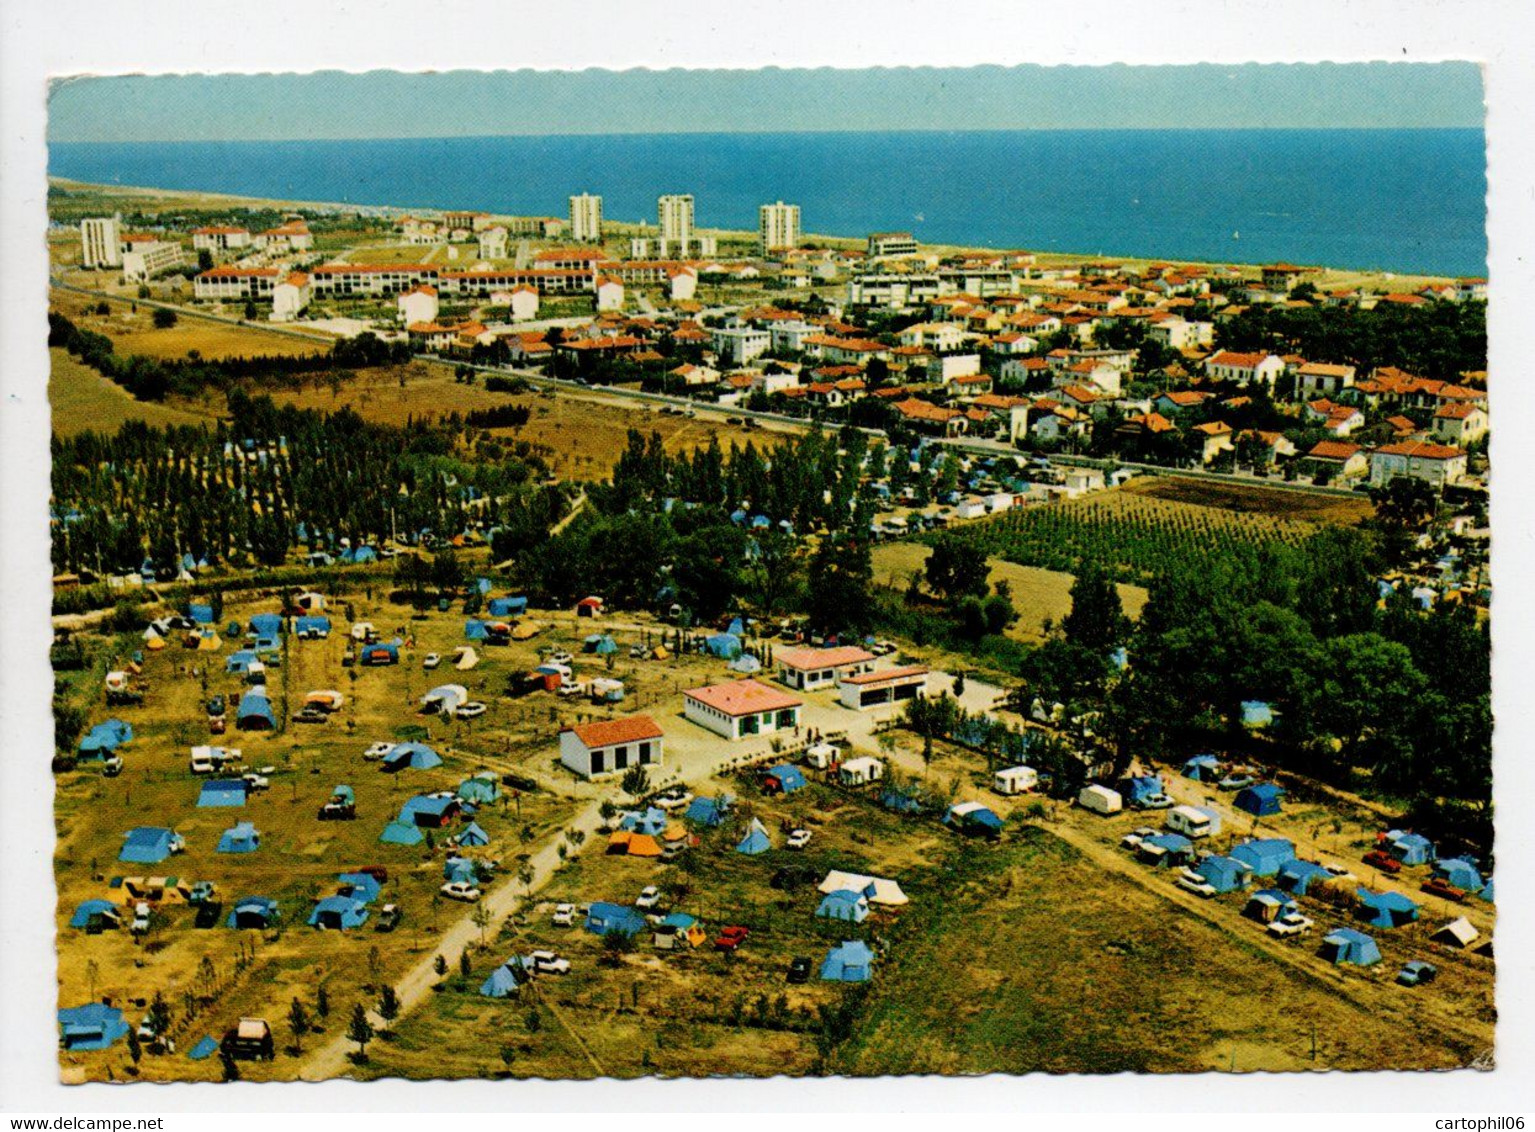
x,y
741,708
611,746
882,686
808,669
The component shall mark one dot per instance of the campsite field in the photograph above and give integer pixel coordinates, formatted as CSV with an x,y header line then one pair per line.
x,y
133,331
1039,595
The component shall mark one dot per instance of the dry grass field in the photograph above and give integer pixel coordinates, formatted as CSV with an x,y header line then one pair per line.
x,y
82,399
133,332
1253,499
1038,595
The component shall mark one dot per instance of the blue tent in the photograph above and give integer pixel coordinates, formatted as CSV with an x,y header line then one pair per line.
x,y
416,756
474,630
1174,848
973,818
402,833
200,613
338,913
430,810
461,869
603,918
1410,848
1224,874
223,792
104,739
901,801
756,840
363,554
381,653
507,606
249,912
737,628
1265,855
1296,876
240,838
147,845
255,712
787,778
1260,800
1461,873
651,821
606,647
239,661
266,624
92,1026
1348,946
95,913
1137,790
482,586
1385,909
479,790
849,962
360,886
505,981
206,1047
747,663
844,904
1486,893
708,811
1256,714
1267,903
473,836
1202,768
723,645
312,626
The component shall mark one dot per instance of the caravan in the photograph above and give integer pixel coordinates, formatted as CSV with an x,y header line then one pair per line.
x,y
1015,780
1100,800
1191,821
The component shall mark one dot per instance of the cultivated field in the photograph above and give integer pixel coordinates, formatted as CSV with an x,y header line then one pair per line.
x,y
1252,499
82,399
1038,595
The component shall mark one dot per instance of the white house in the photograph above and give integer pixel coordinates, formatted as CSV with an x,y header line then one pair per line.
x,y
738,709
696,375
611,746
493,241
682,283
941,337
946,367
791,335
1323,379
1228,365
419,304
808,669
1181,334
882,686
1460,423
739,344
290,297
1436,464
524,302
610,294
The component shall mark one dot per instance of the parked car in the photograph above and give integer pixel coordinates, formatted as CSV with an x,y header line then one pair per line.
x,y
1133,839
674,798
1438,886
460,890
201,892
431,660
548,963
1236,782
257,782
140,923
1290,924
388,918
216,706
472,710
310,715
731,937
1155,802
1340,871
559,658
1416,973
799,969
564,915
649,897
883,648
798,839
377,751
1385,862
1195,884
112,767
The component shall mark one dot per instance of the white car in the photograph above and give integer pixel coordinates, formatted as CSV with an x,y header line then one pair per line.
x,y
460,890
1196,885
1290,923
257,782
564,915
1156,802
472,710
649,897
1342,872
798,839
377,751
548,963
1133,839
674,799
140,923
559,658
430,660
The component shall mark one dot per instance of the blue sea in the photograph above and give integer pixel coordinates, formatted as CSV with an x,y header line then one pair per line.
x,y
1398,200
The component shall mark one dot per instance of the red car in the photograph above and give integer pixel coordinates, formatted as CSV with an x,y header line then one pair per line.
x,y
731,938
1438,886
1385,862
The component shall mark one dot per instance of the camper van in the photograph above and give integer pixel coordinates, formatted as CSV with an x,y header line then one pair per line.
x,y
856,772
1015,780
1100,800
821,755
1193,822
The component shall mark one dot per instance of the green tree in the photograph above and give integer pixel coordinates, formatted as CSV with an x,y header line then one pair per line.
x,y
298,1022
636,781
360,1030
957,568
388,1005
1097,619
163,318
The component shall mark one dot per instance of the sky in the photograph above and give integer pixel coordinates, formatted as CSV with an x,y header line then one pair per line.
x,y
388,104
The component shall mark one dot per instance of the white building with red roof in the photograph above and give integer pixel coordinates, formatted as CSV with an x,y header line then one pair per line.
x,y
808,669
1435,464
612,746
882,686
1460,422
419,304
738,709
290,296
1229,365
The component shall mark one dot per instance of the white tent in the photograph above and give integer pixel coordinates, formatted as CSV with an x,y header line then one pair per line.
x,y
1457,933
885,891
465,658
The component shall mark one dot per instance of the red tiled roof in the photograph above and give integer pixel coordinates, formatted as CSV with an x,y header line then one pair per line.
x,y
609,732
811,659
1420,450
743,697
